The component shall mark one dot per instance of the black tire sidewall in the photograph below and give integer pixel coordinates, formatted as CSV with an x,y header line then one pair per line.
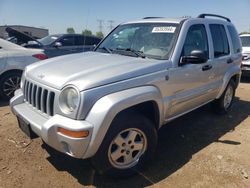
x,y
3,96
101,161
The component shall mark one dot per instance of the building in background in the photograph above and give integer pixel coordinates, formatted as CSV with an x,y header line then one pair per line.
x,y
34,32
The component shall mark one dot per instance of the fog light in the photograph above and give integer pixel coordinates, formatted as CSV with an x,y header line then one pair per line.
x,y
73,134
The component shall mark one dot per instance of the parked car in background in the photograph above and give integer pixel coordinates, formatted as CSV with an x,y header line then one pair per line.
x,y
245,40
63,44
55,45
18,37
13,60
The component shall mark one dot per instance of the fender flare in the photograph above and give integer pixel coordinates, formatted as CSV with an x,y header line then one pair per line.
x,y
234,71
105,109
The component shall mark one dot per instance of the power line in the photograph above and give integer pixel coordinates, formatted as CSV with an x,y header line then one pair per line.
x,y
110,24
100,22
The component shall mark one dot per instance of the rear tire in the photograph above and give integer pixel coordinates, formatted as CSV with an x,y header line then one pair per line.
x,y
9,82
128,145
224,103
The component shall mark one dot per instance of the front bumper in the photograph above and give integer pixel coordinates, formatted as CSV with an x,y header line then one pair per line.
x,y
46,127
245,68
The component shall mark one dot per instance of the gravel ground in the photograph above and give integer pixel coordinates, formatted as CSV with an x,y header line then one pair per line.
x,y
200,149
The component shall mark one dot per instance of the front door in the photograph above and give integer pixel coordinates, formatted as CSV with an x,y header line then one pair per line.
x,y
191,84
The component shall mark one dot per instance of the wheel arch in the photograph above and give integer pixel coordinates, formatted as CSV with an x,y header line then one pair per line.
x,y
11,71
234,75
146,99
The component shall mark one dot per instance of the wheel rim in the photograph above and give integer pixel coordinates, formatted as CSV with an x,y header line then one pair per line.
x,y
126,148
228,97
10,85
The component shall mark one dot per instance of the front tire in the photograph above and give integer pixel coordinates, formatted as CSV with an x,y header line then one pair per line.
x,y
224,103
128,145
9,83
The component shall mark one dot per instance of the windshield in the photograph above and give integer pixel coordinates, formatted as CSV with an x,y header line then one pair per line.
x,y
49,39
152,40
245,41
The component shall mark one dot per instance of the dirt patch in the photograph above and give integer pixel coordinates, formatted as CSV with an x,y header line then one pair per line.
x,y
200,149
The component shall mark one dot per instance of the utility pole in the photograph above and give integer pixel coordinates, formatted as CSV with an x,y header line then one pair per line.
x,y
110,24
100,22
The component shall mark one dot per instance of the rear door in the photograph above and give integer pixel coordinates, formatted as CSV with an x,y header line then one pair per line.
x,y
220,51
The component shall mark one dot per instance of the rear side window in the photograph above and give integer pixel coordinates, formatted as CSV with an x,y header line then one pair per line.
x,y
68,41
220,41
235,39
90,40
79,40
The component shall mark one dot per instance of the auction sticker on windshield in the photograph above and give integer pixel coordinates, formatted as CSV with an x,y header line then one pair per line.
x,y
169,29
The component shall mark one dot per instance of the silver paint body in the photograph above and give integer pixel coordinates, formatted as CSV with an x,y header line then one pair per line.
x,y
110,83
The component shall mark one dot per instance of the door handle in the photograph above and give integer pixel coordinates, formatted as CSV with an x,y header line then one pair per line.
x,y
206,67
229,61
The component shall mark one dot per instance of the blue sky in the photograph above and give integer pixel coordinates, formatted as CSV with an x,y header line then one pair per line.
x,y
57,15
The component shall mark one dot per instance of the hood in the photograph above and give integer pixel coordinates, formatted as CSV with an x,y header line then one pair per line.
x,y
11,47
91,69
21,37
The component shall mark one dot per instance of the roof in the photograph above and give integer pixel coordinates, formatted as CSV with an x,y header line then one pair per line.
x,y
218,18
155,20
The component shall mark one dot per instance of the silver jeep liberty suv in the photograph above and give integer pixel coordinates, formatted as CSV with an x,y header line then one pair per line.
x,y
108,105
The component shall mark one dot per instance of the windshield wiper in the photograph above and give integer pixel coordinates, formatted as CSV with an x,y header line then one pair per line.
x,y
136,52
106,49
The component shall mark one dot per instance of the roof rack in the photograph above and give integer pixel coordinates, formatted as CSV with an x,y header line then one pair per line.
x,y
214,15
151,17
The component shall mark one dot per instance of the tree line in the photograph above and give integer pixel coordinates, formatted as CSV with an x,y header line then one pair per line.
x,y
85,32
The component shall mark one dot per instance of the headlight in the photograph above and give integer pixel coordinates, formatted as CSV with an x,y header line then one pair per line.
x,y
23,78
69,100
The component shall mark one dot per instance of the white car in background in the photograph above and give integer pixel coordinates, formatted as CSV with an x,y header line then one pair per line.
x,y
245,39
13,60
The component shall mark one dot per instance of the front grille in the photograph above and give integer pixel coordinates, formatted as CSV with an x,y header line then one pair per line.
x,y
40,98
248,66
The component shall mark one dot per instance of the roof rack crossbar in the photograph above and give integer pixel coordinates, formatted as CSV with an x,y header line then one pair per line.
x,y
214,15
151,17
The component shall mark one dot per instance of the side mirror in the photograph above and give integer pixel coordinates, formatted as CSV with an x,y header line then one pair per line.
x,y
58,44
196,57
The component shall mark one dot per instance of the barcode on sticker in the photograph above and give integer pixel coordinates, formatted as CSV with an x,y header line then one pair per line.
x,y
164,29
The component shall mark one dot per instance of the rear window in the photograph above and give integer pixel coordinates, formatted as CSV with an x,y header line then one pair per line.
x,y
235,39
220,41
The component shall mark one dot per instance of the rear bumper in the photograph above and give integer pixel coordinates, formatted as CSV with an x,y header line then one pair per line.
x,y
46,127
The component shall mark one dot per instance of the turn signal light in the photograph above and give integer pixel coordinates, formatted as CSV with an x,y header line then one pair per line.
x,y
73,134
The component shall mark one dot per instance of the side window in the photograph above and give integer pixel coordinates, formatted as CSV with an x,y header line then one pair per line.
x,y
196,39
235,39
91,40
68,41
79,40
220,41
